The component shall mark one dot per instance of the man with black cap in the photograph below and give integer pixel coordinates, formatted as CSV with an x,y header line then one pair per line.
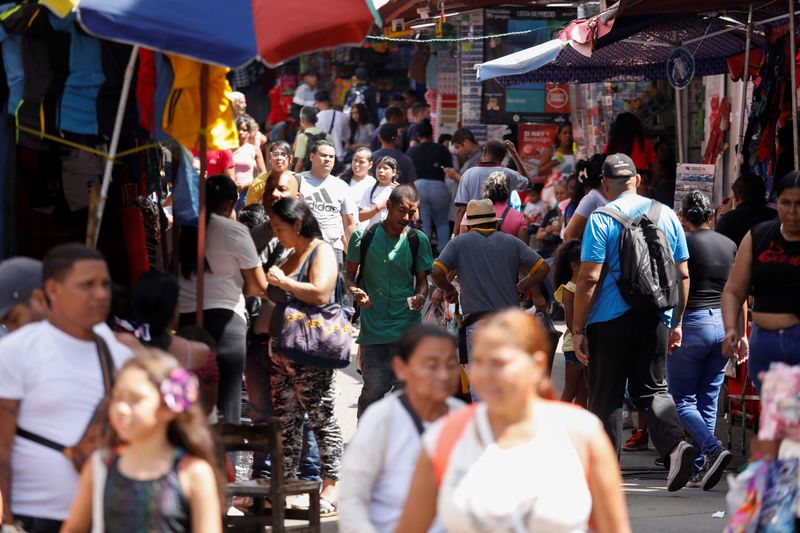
x,y
626,344
52,379
21,294
388,135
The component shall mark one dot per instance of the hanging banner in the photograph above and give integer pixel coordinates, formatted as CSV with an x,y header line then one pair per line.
x,y
533,139
690,177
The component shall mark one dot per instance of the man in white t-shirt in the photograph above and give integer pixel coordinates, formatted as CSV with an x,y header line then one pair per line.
x,y
332,121
50,384
329,198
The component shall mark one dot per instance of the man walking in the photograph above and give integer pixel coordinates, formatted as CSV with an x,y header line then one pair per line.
x,y
626,344
310,135
387,269
470,187
332,121
487,264
51,381
329,198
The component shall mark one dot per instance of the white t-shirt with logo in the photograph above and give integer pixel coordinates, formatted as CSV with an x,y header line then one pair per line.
x,y
229,250
370,199
59,383
329,200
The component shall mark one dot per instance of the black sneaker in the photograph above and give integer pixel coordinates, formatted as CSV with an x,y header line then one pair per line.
x,y
680,466
695,480
714,467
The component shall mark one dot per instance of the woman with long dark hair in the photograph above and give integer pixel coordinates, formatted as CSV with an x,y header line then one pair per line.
x,y
590,179
696,369
231,269
308,274
768,267
361,129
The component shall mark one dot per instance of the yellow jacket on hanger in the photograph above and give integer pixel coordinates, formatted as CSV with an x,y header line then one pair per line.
x,y
181,118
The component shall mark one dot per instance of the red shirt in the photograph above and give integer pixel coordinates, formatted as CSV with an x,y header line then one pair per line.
x,y
644,157
217,161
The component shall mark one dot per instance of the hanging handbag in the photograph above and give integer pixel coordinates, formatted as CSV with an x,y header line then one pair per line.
x,y
313,335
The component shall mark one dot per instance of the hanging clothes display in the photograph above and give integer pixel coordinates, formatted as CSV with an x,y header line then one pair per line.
x,y
80,172
77,111
182,117
146,89
12,63
114,58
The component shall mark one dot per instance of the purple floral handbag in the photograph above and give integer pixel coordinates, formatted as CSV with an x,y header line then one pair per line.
x,y
313,335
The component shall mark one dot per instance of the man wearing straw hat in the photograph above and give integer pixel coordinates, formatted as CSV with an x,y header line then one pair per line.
x,y
487,264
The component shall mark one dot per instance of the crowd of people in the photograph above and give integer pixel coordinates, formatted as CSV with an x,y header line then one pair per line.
x,y
382,218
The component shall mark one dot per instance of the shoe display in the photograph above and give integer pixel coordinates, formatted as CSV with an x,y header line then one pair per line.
x,y
637,441
714,467
680,466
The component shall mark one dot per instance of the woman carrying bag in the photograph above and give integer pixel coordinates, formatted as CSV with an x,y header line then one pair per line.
x,y
302,380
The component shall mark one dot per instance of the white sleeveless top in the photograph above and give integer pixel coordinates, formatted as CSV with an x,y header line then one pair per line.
x,y
538,486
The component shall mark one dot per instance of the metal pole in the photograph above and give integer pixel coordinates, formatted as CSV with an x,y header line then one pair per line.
x,y
679,133
745,79
793,70
201,217
93,229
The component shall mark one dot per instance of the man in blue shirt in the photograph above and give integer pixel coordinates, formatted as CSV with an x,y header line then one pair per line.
x,y
622,344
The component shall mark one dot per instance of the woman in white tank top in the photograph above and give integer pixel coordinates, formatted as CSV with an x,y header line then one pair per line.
x,y
518,461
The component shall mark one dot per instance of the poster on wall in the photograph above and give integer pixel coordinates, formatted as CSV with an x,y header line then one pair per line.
x,y
533,139
522,103
689,177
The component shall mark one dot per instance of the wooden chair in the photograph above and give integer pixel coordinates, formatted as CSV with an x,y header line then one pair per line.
x,y
269,495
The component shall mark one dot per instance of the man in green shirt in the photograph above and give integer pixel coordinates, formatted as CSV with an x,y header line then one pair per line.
x,y
309,136
390,286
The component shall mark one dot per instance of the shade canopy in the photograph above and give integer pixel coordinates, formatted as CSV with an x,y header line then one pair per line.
x,y
632,41
230,33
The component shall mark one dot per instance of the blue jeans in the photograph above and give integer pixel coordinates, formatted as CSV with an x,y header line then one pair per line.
x,y
434,204
772,346
259,395
376,370
694,373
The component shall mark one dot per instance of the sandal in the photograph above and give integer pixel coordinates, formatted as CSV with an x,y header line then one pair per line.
x,y
327,508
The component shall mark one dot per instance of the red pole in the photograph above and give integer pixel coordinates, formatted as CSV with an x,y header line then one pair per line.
x,y
201,218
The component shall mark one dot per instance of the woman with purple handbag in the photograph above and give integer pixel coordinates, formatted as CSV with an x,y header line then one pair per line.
x,y
311,337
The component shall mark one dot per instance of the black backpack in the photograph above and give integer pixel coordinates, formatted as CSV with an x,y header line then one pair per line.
x,y
648,275
366,240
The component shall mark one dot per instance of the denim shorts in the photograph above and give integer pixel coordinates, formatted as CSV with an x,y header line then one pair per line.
x,y
570,359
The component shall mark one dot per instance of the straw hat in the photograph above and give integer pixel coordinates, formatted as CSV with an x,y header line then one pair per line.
x,y
479,212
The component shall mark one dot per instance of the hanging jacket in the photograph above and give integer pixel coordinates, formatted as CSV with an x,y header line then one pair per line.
x,y
182,117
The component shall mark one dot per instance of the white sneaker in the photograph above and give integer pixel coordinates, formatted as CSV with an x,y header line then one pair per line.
x,y
680,466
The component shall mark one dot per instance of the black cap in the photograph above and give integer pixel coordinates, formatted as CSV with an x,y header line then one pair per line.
x,y
388,132
19,276
618,166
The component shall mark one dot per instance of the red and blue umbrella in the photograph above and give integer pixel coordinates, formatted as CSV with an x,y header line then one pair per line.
x,y
234,32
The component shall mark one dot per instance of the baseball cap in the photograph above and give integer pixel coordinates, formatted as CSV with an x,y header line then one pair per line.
x,y
18,277
618,166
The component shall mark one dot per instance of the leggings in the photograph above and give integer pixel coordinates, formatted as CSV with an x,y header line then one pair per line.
x,y
229,331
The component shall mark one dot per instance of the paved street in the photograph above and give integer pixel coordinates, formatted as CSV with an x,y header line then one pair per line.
x,y
651,507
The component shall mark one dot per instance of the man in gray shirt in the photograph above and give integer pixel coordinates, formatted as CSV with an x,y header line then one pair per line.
x,y
487,264
471,185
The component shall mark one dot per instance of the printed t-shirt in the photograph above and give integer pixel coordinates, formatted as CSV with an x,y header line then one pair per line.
x,y
471,185
217,161
548,491
59,382
329,200
370,199
601,245
389,283
488,265
229,250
